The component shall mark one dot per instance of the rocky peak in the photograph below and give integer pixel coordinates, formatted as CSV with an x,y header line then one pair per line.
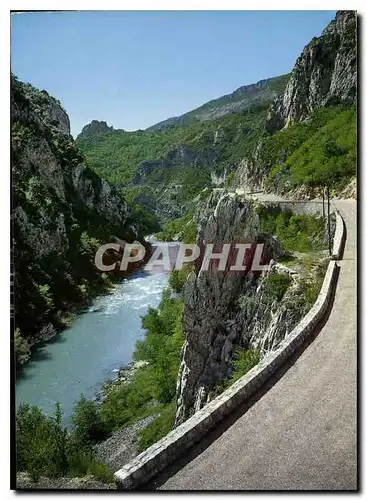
x,y
324,74
30,104
95,127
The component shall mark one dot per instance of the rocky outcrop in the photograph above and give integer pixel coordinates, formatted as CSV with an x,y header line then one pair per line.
x,y
247,175
61,210
95,127
324,74
210,311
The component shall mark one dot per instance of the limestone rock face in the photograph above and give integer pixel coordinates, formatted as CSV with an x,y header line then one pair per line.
x,y
325,73
210,309
56,198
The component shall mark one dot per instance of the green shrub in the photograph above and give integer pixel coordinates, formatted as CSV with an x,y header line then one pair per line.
x,y
41,443
302,233
155,382
312,279
88,425
178,278
45,448
100,471
242,362
88,244
125,403
45,293
229,179
183,226
296,232
158,428
21,348
276,285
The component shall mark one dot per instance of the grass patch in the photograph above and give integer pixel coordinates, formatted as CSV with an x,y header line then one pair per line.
x,y
276,285
158,428
243,361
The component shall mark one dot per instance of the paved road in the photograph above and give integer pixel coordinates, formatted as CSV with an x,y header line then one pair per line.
x,y
301,434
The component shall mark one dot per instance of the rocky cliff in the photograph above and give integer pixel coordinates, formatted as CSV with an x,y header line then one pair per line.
x,y
324,74
322,86
62,211
224,310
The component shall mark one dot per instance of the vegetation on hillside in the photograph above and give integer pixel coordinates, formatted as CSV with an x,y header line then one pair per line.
x,y
220,144
45,448
153,385
242,362
183,228
296,232
318,152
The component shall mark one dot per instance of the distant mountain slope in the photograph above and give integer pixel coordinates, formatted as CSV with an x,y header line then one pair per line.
x,y
240,99
173,164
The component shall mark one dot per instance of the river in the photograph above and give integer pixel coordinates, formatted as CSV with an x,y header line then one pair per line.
x,y
88,353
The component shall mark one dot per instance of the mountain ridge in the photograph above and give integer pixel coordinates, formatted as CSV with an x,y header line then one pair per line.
x,y
238,100
233,102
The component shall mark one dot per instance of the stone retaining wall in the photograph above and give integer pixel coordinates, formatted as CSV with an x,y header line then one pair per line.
x,y
166,450
339,237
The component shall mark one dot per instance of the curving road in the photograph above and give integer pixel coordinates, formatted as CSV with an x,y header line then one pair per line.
x,y
302,433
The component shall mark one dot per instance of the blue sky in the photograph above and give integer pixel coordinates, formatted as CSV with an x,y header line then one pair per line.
x,y
133,69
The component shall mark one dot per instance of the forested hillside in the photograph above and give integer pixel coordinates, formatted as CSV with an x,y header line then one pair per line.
x,y
318,151
166,169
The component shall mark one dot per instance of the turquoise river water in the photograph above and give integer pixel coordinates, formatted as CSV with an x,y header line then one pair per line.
x,y
91,350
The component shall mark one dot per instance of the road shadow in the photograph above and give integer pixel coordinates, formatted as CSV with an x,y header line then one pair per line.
x,y
224,425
